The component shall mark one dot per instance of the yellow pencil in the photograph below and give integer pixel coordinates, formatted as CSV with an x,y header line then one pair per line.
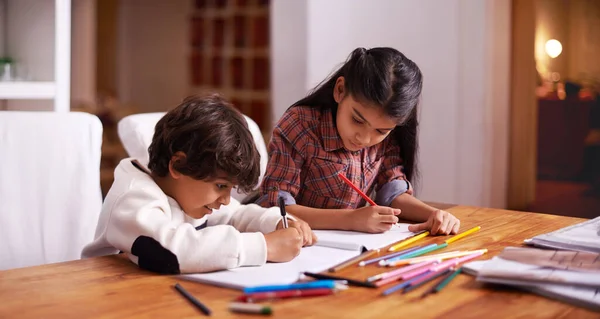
x,y
463,234
409,241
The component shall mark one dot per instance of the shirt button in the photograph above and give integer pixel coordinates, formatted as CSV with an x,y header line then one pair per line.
x,y
274,188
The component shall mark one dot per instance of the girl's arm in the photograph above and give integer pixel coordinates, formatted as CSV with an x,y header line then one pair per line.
x,y
319,218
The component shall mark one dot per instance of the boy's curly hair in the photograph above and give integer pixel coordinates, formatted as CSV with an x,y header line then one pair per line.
x,y
214,137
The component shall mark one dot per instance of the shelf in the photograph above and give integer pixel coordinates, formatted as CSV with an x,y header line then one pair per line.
x,y
27,90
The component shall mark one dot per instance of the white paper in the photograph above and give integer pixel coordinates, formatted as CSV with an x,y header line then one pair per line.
x,y
311,259
369,241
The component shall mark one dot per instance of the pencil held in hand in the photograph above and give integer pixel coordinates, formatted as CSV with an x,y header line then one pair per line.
x,y
363,195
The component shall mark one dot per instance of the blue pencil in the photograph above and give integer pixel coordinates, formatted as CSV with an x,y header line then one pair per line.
x,y
404,284
301,285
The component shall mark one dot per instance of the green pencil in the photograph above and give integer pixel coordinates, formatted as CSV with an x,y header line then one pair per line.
x,y
446,281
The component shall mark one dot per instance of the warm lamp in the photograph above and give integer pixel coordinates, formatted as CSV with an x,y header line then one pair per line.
x,y
553,48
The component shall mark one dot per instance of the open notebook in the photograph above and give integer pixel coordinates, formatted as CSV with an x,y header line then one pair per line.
x,y
580,296
581,237
312,259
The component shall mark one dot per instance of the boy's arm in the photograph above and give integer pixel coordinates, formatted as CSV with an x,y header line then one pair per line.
x,y
140,226
247,218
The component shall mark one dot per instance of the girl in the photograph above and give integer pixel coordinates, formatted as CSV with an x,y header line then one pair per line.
x,y
361,122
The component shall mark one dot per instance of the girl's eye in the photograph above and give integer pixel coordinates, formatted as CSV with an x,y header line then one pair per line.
x,y
221,186
357,120
381,132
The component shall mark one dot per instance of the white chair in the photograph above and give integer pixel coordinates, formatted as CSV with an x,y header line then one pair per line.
x,y
50,197
136,131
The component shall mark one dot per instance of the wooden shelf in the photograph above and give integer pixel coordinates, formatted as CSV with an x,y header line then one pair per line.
x,y
27,90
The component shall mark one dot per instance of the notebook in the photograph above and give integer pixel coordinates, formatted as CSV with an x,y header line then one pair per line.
x,y
501,271
311,259
578,296
581,237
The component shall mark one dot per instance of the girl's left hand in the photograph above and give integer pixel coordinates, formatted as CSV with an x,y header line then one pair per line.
x,y
440,222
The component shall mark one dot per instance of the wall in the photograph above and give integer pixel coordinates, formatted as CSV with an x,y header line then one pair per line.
x,y
461,46
584,39
152,59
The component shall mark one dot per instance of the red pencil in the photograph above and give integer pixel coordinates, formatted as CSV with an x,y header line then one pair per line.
x,y
357,190
259,296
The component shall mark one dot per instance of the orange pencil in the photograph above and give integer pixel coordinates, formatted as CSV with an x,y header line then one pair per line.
x,y
370,201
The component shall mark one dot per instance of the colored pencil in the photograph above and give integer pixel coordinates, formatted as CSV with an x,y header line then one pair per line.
x,y
409,241
399,253
351,261
463,234
192,299
446,281
363,195
430,276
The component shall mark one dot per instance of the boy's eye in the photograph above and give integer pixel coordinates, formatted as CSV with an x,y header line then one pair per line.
x,y
222,186
357,120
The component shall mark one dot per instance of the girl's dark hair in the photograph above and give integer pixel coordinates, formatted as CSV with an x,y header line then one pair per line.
x,y
384,77
214,137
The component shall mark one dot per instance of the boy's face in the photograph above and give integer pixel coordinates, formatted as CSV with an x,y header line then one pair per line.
x,y
199,197
359,125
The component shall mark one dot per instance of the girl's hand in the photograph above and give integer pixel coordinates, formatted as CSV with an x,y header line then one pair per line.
x,y
308,237
373,219
440,222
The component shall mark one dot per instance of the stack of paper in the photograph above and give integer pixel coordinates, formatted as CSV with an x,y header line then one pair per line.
x,y
332,250
582,296
581,237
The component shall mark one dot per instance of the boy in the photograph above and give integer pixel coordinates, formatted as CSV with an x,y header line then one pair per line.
x,y
169,218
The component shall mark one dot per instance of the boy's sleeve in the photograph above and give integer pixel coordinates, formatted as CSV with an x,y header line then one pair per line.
x,y
247,218
391,180
140,226
282,177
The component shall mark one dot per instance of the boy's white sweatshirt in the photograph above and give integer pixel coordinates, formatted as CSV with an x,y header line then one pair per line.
x,y
138,218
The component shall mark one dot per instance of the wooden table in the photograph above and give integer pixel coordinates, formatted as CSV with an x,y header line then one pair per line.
x,y
112,287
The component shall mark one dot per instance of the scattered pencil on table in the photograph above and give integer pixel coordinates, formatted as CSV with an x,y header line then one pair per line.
x,y
409,241
331,284
351,261
351,282
370,261
283,294
463,234
432,289
242,307
446,281
192,299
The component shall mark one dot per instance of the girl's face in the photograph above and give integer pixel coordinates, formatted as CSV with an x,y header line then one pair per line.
x,y
359,125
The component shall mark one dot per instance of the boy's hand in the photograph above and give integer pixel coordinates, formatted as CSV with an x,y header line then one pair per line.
x,y
283,244
373,219
308,237
440,222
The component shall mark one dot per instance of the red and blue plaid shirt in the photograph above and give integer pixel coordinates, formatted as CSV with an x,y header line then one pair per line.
x,y
306,154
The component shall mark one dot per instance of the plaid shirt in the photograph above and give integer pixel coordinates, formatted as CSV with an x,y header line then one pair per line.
x,y
306,154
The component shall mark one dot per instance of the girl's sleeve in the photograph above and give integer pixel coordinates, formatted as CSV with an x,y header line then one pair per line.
x,y
282,177
391,181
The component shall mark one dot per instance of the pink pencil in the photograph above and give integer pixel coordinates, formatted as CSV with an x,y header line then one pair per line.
x,y
423,269
456,261
402,270
370,201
